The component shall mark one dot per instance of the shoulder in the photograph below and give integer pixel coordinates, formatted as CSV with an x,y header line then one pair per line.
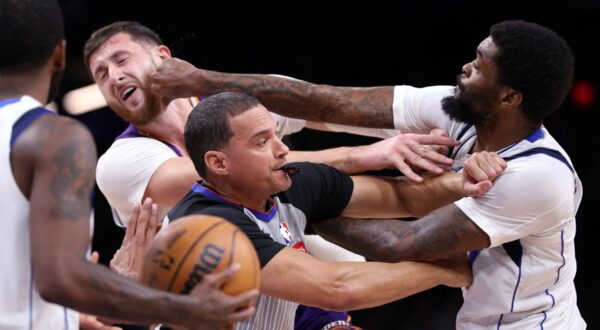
x,y
131,159
196,203
56,137
537,172
134,147
406,92
537,183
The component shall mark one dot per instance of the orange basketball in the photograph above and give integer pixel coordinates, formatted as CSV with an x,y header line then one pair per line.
x,y
196,245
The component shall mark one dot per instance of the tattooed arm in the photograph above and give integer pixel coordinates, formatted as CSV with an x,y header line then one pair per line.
x,y
53,162
366,107
441,234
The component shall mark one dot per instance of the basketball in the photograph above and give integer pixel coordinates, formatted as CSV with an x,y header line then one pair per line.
x,y
195,245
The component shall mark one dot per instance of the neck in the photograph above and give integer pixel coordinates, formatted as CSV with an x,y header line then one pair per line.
x,y
247,198
35,85
169,125
495,136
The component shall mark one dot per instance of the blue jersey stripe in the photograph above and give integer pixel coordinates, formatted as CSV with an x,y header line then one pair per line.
x,y
27,119
548,152
9,101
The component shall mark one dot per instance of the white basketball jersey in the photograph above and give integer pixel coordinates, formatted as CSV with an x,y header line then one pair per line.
x,y
21,306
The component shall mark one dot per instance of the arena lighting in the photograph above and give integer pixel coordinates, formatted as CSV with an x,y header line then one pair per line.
x,y
82,100
583,94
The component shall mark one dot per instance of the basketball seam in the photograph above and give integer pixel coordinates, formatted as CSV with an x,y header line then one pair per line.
x,y
231,255
190,251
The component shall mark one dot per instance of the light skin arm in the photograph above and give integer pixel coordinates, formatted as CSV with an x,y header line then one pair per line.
x,y
382,197
403,152
299,277
60,157
437,235
171,181
175,177
367,107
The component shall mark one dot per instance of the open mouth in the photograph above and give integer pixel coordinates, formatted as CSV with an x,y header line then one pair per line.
x,y
127,93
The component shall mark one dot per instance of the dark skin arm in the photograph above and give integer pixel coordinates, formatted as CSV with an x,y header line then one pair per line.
x,y
367,107
440,234
437,235
53,162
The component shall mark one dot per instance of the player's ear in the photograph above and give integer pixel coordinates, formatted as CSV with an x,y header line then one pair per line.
x,y
216,162
511,98
163,52
59,56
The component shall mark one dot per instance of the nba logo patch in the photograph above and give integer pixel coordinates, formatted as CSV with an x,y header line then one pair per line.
x,y
285,232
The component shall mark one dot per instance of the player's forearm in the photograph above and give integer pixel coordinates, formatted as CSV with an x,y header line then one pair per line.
x,y
392,281
366,107
95,290
441,234
336,157
379,240
431,194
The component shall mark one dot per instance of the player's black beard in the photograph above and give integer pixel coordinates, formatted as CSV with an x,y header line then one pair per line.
x,y
55,81
460,107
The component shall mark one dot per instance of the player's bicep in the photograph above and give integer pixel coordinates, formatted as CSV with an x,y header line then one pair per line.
x,y
171,181
446,232
63,179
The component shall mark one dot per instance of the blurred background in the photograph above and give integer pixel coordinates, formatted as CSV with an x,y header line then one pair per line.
x,y
368,44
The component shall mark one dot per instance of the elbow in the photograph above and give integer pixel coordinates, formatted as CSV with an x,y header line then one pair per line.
x,y
57,283
51,288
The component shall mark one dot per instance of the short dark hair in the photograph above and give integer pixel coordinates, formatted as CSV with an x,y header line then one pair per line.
x,y
207,127
29,33
137,31
535,61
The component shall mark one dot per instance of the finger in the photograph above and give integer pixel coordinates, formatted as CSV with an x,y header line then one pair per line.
x,y
489,162
244,299
437,140
218,279
473,169
439,132
242,315
133,219
479,188
429,153
498,162
152,222
407,171
94,257
144,218
426,165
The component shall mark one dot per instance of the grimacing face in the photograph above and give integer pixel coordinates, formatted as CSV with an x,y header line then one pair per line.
x,y
121,68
